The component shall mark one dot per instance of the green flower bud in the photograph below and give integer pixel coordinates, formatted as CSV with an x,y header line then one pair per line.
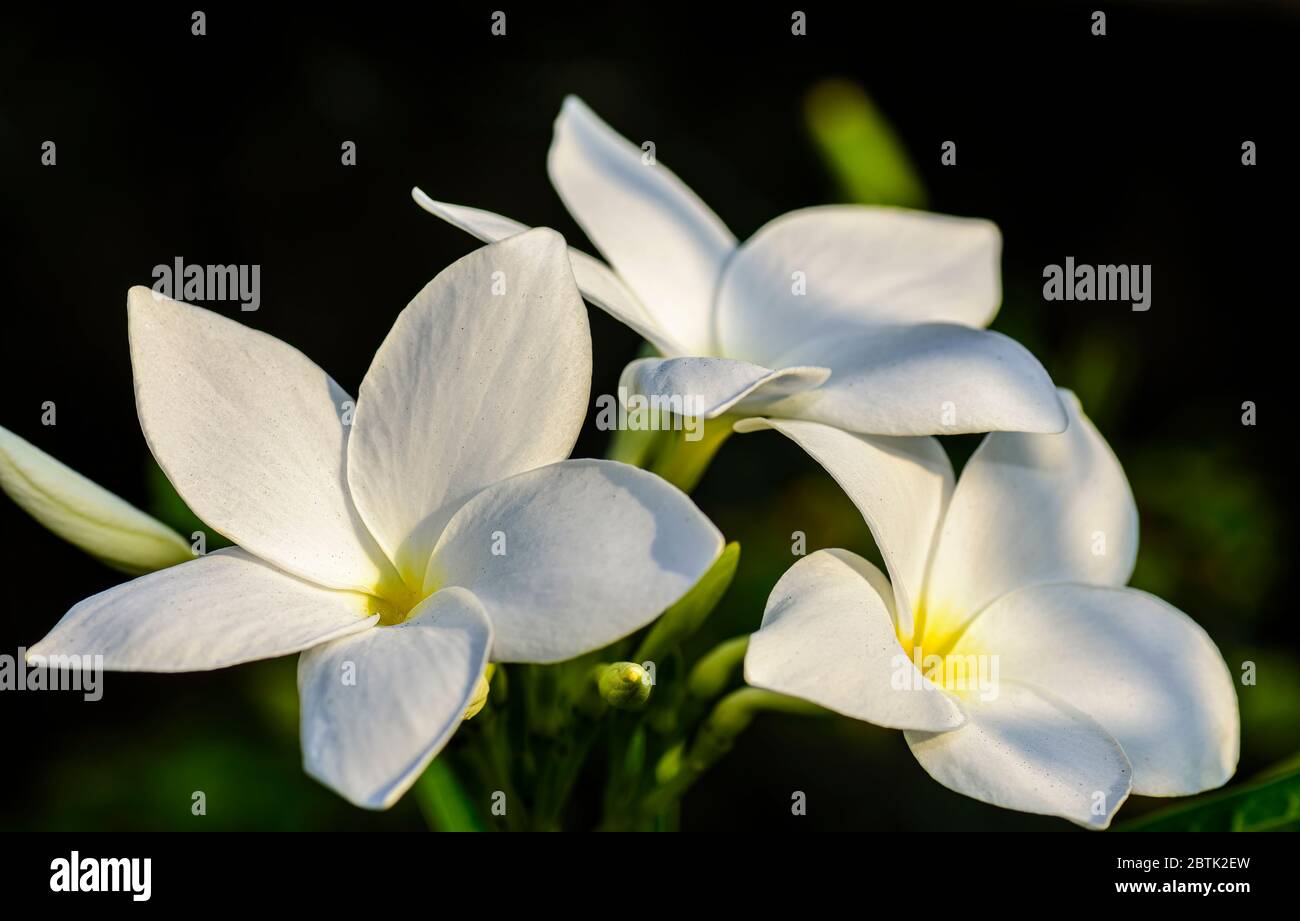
x,y
624,685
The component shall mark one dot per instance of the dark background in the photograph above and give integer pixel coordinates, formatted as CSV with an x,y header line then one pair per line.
x,y
225,149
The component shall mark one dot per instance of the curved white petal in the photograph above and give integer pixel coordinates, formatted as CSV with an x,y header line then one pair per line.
x,y
715,385
1141,668
250,433
900,485
218,610
596,281
379,706
659,237
571,557
84,513
1028,752
925,379
828,637
1028,509
468,388
488,226
860,265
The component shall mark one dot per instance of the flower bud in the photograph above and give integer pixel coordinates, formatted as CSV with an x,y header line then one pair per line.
x,y
624,685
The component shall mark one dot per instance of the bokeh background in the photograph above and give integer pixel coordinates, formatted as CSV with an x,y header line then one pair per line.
x,y
225,149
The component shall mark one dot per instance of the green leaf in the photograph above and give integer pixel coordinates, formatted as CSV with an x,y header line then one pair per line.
x,y
444,802
1271,804
860,147
691,610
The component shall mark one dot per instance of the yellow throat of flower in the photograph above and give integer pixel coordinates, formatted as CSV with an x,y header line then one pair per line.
x,y
937,629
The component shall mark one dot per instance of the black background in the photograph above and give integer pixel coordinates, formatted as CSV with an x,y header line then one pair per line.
x,y
225,149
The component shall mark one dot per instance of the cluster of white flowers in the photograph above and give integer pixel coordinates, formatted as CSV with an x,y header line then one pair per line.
x,y
439,526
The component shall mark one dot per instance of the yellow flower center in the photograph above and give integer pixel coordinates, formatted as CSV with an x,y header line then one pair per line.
x,y
969,673
394,603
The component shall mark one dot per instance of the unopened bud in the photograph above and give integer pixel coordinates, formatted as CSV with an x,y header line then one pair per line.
x,y
624,685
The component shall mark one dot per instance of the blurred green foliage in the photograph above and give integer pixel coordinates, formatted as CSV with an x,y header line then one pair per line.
x,y
1271,803
860,148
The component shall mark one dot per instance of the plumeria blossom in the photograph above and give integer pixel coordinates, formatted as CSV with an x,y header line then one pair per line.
x,y
869,319
1017,574
440,530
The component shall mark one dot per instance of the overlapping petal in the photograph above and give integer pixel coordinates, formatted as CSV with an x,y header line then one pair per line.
x,y
828,637
571,557
379,706
484,375
596,281
900,485
250,433
1138,666
716,385
818,271
924,379
221,609
660,238
1027,751
1029,509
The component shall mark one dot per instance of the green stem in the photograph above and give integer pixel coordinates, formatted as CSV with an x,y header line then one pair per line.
x,y
496,757
714,671
443,801
564,763
683,462
729,718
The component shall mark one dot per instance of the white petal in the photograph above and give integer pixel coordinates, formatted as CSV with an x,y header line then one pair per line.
x,y
249,431
84,513
1028,509
468,388
861,265
927,379
571,557
715,385
1141,668
377,707
596,281
221,609
900,485
659,237
1028,752
828,637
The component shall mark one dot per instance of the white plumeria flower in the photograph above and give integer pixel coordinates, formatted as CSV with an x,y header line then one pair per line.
x,y
442,530
866,318
1018,572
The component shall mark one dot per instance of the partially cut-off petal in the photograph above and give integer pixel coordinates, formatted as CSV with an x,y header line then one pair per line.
x,y
379,706
571,557
810,272
900,485
924,379
84,513
709,387
596,281
1138,666
660,238
827,637
221,609
484,375
1028,752
250,433
1030,509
